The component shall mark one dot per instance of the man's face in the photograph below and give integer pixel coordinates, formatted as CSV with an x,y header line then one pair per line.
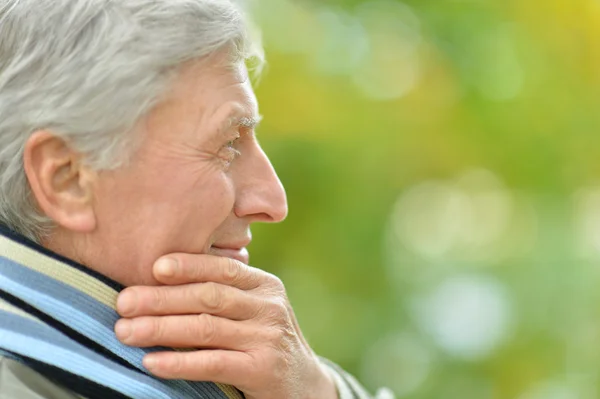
x,y
197,182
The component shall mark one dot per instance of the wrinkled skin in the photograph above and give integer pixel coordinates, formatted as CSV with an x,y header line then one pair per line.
x,y
240,313
192,188
197,182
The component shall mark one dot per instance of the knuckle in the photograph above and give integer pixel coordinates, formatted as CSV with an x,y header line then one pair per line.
x,y
175,364
276,309
261,309
274,336
212,297
280,339
158,301
193,293
206,328
215,364
232,271
191,269
276,283
155,329
199,268
147,330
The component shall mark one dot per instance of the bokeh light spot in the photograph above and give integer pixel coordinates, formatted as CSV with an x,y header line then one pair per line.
x,y
468,316
587,222
550,390
391,68
401,361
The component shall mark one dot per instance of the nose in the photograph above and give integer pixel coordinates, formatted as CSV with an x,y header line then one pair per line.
x,y
260,196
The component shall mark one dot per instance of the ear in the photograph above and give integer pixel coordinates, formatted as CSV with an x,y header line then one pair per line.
x,y
61,184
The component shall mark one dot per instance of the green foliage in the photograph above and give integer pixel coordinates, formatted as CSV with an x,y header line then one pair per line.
x,y
441,164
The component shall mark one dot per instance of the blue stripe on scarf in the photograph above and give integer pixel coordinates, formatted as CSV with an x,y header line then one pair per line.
x,y
34,340
87,316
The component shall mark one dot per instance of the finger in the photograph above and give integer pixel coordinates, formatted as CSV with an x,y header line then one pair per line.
x,y
216,299
220,366
178,269
191,331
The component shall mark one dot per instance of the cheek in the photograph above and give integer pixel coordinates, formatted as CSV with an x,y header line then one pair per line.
x,y
195,208
212,199
181,207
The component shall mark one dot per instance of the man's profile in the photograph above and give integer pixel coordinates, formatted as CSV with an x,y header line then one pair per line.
x,y
130,176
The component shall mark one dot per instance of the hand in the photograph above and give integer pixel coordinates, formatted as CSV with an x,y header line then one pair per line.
x,y
238,317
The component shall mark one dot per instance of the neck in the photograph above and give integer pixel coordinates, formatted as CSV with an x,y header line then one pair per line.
x,y
115,260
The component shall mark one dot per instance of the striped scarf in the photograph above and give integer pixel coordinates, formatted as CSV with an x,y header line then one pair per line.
x,y
57,317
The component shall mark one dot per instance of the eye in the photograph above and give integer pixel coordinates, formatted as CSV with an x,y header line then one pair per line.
x,y
228,153
232,144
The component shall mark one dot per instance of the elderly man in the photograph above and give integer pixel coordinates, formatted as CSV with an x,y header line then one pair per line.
x,y
128,159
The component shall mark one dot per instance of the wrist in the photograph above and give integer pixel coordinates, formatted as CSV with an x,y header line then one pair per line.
x,y
325,386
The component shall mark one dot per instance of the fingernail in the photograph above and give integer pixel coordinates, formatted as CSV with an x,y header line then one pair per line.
x,y
150,362
123,329
166,267
127,302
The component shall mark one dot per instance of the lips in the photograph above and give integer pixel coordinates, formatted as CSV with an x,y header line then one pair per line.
x,y
240,254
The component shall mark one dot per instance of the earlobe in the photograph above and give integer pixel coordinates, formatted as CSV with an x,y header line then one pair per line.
x,y
61,184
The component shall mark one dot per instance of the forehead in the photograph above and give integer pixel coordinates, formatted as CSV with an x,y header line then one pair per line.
x,y
205,98
213,83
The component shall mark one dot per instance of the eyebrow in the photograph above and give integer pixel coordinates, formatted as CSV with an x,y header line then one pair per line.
x,y
248,122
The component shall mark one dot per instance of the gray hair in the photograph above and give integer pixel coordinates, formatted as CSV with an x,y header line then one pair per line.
x,y
88,70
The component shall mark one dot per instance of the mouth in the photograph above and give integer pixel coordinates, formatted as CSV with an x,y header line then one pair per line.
x,y
239,253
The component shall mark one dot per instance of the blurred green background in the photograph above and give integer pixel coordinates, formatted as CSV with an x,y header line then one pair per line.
x,y
442,166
